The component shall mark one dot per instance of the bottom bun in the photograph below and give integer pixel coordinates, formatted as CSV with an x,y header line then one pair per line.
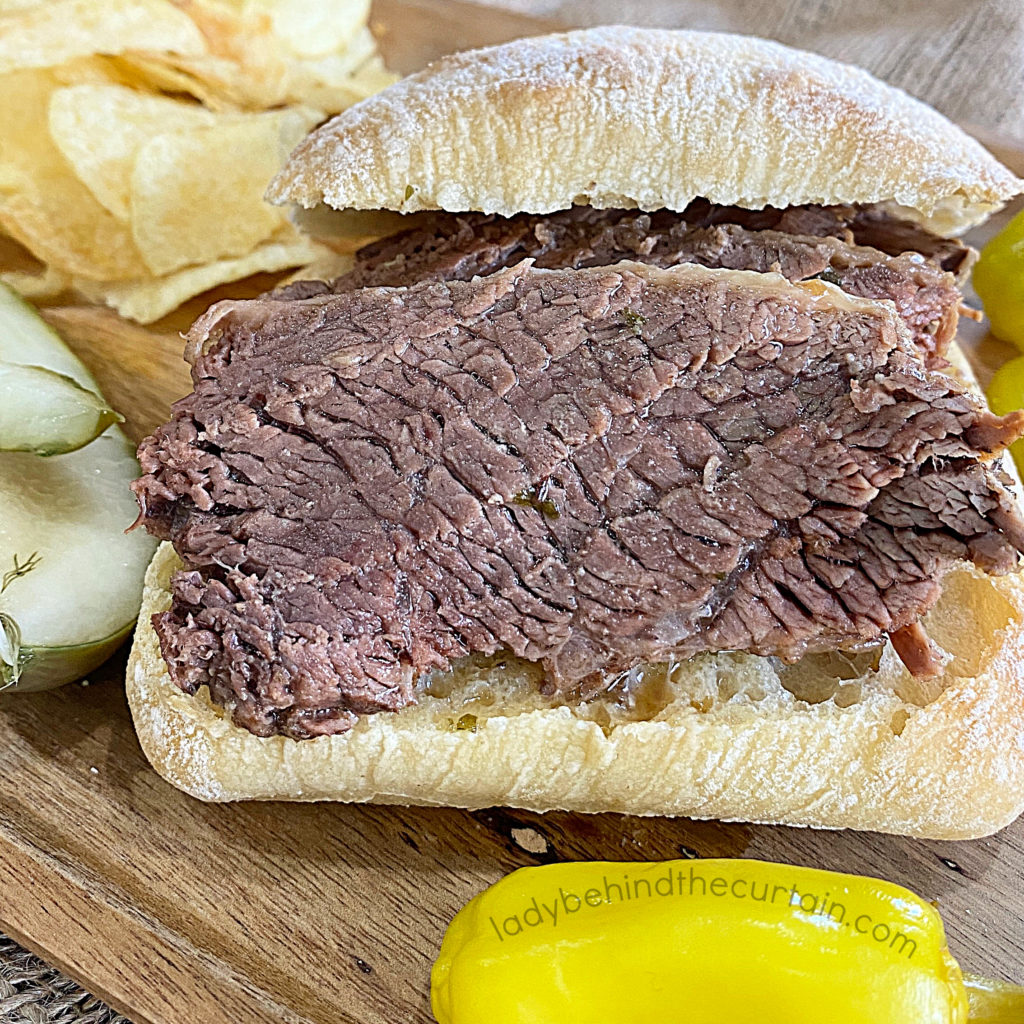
x,y
831,741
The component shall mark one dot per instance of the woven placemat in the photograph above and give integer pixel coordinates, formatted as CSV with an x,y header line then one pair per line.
x,y
32,992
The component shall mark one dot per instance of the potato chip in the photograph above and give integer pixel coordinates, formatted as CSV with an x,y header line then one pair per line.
x,y
311,28
7,6
46,284
42,202
258,59
244,63
260,82
101,128
51,33
162,74
332,84
290,29
197,195
148,299
137,195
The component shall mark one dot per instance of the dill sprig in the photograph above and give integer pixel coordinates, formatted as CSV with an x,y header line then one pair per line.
x,y
20,569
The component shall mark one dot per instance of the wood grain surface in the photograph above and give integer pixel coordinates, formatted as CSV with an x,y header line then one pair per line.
x,y
177,912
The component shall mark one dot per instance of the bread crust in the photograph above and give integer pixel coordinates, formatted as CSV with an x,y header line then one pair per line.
x,y
617,116
953,769
731,741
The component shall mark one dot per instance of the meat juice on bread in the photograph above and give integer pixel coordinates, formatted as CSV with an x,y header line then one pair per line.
x,y
639,473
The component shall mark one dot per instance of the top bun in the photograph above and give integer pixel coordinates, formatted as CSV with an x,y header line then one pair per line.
x,y
628,117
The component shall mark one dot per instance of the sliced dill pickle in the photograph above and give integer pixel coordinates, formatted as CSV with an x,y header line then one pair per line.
x,y
70,578
48,413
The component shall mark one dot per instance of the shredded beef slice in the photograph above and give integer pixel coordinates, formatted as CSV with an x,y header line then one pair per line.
x,y
591,468
863,250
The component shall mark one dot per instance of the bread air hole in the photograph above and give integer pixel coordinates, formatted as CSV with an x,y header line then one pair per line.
x,y
966,623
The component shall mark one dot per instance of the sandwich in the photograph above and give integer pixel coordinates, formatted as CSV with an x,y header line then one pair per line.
x,y
637,471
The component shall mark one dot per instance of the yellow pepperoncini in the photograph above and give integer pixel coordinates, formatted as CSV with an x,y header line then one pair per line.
x,y
999,281
698,942
1006,393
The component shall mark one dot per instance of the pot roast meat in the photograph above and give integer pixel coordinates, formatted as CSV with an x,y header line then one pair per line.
x,y
916,650
863,250
591,468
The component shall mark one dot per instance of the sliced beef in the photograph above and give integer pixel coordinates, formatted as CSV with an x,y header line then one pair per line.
x,y
591,468
916,650
872,227
847,246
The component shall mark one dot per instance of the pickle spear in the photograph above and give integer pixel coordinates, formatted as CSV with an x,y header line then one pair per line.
x,y
48,413
70,578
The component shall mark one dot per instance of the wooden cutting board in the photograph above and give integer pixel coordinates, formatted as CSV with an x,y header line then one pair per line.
x,y
176,911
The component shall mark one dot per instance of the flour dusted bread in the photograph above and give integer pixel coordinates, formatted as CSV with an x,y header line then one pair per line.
x,y
616,118
727,736
834,741
619,116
